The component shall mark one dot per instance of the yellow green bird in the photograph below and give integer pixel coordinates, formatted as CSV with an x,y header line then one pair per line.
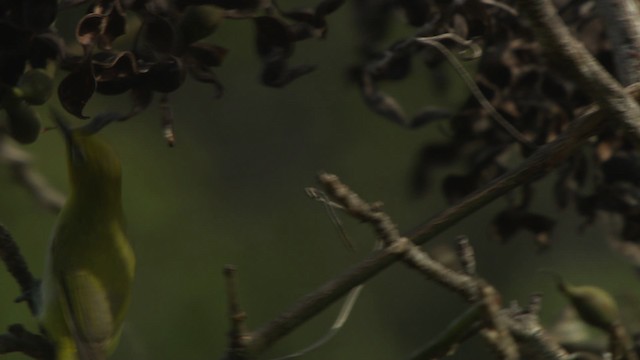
x,y
86,287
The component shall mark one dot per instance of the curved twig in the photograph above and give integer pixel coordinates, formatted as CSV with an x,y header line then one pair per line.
x,y
476,92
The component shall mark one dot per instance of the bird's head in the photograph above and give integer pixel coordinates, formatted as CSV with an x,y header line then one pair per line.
x,y
93,164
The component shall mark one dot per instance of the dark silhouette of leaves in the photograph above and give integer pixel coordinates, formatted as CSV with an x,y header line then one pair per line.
x,y
77,88
273,38
166,76
115,73
511,221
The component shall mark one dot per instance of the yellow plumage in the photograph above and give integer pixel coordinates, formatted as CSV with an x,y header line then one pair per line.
x,y
90,264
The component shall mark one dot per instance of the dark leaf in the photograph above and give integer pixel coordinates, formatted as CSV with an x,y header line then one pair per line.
x,y
302,31
581,169
225,4
278,73
273,39
372,21
587,206
308,23
429,115
416,11
455,187
39,14
206,54
306,15
115,73
554,88
24,122
67,4
36,86
76,89
198,22
381,103
71,62
431,156
624,167
89,29
14,45
509,222
563,189
141,98
115,26
158,34
631,228
101,120
166,76
204,74
326,7
45,47
500,75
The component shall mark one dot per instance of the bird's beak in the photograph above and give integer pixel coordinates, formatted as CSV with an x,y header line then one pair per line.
x,y
75,154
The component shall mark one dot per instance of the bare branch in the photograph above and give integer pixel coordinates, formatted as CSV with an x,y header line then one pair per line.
x,y
468,323
621,345
525,326
168,130
466,255
470,287
622,22
573,57
238,335
543,161
497,333
17,267
18,339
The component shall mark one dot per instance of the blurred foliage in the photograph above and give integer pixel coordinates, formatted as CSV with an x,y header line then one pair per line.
x,y
231,191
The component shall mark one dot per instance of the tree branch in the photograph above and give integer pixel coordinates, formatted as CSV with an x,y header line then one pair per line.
x,y
543,161
17,267
573,57
18,339
622,22
531,336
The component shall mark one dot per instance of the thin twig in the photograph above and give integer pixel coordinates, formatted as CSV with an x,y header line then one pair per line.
x,y
168,130
502,6
339,322
18,268
497,333
335,220
476,92
238,335
445,343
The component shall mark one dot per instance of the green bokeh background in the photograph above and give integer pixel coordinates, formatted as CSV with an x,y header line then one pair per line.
x,y
232,192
